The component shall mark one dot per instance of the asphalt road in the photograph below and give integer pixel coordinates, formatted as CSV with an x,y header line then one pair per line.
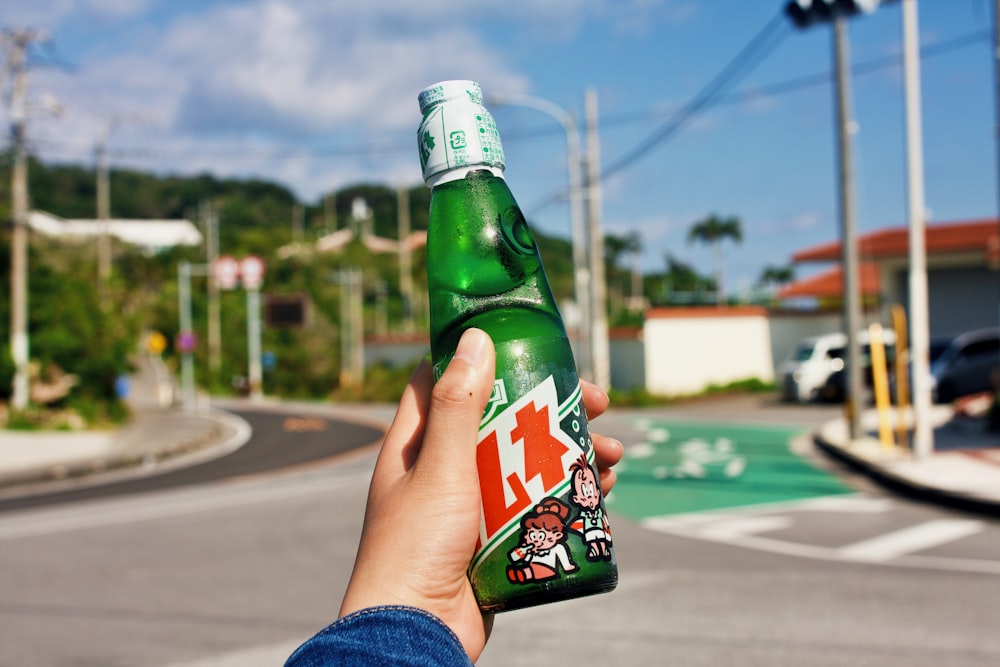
x,y
279,440
238,571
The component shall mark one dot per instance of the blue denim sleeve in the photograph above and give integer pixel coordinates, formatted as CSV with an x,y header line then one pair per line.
x,y
391,636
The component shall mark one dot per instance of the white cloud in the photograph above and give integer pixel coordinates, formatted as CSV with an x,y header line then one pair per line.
x,y
276,78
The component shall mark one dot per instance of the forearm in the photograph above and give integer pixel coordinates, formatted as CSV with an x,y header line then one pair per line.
x,y
403,636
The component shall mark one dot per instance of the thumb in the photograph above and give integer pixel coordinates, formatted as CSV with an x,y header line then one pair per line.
x,y
457,403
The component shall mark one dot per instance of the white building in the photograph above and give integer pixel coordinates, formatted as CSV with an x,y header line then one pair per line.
x,y
150,235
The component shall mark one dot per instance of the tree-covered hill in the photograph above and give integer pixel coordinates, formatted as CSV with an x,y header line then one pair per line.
x,y
80,327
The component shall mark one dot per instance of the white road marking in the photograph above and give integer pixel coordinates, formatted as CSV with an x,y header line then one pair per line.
x,y
751,525
741,527
909,540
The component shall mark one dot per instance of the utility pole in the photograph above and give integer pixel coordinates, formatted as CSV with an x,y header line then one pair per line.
x,y
103,210
923,432
298,223
578,232
600,354
352,353
848,232
405,256
15,43
211,221
330,213
104,249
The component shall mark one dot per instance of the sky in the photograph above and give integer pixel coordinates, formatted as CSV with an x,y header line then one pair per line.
x,y
318,95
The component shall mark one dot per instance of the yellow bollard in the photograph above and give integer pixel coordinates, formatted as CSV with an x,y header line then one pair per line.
x,y
880,383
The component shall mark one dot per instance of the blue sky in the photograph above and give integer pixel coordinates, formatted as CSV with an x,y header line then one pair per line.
x,y
321,94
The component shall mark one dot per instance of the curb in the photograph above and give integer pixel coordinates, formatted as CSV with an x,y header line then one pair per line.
x,y
906,487
227,434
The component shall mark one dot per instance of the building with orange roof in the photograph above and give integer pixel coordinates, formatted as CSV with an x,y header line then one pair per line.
x,y
963,274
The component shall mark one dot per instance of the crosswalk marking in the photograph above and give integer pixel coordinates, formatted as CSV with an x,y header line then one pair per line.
x,y
750,525
910,540
747,528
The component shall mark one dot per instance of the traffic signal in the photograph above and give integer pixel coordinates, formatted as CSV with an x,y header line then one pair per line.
x,y
804,13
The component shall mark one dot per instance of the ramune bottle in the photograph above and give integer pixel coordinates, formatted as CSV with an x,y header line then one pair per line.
x,y
544,534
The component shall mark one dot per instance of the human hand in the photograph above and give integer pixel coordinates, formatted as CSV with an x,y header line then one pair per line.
x,y
422,518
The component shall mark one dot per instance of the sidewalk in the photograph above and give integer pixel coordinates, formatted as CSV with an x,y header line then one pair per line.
x,y
157,437
962,472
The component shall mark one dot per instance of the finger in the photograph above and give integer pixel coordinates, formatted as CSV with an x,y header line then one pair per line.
x,y
607,451
457,403
608,479
595,399
402,441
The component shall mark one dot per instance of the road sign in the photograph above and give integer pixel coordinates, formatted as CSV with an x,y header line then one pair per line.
x,y
252,271
226,271
156,342
186,342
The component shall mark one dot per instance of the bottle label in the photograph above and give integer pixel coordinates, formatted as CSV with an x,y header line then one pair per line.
x,y
543,519
457,134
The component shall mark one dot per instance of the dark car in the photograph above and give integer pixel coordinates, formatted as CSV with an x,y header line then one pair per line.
x,y
967,365
835,388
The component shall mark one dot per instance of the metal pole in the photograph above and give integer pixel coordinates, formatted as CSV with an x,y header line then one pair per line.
x,y
581,272
103,209
598,287
19,234
923,433
184,311
849,245
211,221
357,316
254,367
405,256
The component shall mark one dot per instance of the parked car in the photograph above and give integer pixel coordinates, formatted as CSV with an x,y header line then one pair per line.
x,y
966,366
935,349
815,359
834,390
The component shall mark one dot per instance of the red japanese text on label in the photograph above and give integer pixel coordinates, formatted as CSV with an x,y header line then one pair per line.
x,y
523,456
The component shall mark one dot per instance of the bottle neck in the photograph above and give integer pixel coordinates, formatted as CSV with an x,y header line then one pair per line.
x,y
459,173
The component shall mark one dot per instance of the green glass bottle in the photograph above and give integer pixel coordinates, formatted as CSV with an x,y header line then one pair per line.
x,y
544,534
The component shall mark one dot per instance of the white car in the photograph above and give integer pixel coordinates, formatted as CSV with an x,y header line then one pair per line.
x,y
815,359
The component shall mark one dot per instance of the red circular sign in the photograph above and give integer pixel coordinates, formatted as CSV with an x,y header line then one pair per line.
x,y
252,271
186,342
226,271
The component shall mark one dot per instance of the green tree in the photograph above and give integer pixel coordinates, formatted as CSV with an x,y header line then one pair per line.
x,y
775,276
712,231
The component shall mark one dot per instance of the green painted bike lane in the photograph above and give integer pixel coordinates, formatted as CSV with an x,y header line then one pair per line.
x,y
687,466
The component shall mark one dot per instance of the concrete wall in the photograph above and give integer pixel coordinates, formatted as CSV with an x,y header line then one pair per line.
x,y
679,350
789,327
396,350
690,348
627,350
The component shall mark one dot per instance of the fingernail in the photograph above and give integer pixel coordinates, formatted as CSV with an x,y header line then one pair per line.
x,y
472,347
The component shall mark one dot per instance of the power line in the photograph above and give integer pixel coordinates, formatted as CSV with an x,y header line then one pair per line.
x,y
742,64
703,101
713,94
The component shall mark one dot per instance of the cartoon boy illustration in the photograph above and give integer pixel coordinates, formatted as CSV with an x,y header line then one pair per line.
x,y
541,550
591,524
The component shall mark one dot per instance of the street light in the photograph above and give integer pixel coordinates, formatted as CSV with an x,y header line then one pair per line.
x,y
581,274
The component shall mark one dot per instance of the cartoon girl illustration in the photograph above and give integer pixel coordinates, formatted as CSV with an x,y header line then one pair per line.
x,y
541,551
591,524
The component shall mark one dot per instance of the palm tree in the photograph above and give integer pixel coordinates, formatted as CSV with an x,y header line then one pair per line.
x,y
627,244
712,231
775,276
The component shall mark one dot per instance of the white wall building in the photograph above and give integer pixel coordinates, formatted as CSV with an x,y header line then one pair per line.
x,y
150,235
